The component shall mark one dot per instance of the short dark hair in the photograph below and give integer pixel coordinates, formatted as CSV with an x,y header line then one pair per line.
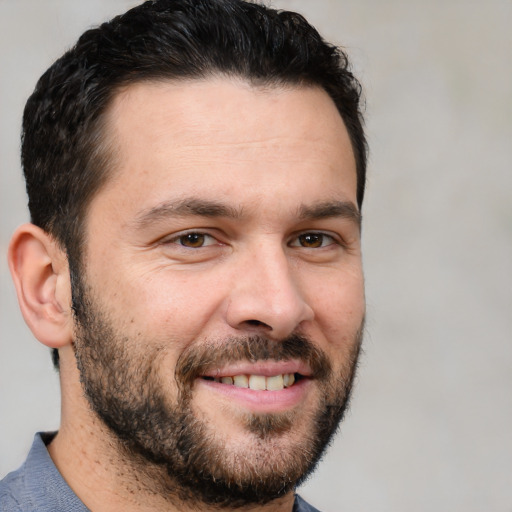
x,y
64,156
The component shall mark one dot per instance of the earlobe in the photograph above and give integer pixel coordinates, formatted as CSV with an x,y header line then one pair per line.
x,y
40,273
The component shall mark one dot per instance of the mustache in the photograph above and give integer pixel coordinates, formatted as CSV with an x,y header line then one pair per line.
x,y
196,360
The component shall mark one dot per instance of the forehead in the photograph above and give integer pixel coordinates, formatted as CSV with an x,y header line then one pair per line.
x,y
224,136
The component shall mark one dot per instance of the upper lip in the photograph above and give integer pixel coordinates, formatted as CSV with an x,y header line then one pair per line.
x,y
265,368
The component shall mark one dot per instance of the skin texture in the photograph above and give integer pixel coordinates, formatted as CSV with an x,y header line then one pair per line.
x,y
266,181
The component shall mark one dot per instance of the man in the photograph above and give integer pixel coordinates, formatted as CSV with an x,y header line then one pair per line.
x,y
195,172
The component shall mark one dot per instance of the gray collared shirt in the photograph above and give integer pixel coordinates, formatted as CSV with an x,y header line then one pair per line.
x,y
37,486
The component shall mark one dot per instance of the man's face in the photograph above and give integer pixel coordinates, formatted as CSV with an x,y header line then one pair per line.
x,y
223,257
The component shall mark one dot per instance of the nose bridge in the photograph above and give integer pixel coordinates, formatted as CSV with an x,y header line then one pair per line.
x,y
266,294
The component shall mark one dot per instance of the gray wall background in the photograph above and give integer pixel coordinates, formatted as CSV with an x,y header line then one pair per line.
x,y
430,428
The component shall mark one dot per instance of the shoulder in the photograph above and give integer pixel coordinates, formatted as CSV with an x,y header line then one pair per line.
x,y
11,491
303,506
16,493
37,485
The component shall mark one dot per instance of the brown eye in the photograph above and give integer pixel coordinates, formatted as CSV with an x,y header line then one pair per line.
x,y
311,240
193,240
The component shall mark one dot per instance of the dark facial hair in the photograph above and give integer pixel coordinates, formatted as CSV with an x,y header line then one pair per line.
x,y
125,390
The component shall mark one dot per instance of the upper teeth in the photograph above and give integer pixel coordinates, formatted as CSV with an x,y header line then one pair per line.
x,y
260,382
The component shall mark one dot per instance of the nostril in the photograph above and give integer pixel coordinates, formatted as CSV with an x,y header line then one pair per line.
x,y
257,323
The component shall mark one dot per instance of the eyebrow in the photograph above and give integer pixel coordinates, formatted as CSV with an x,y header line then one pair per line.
x,y
325,210
184,208
214,209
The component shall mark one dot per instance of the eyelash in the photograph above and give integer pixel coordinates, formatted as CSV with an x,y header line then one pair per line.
x,y
197,234
317,236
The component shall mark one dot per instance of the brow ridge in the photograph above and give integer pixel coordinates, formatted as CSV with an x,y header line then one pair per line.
x,y
184,208
208,208
329,209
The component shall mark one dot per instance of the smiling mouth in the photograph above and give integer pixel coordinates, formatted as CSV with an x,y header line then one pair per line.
x,y
258,382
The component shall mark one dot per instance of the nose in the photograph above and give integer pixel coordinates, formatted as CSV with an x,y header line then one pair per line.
x,y
265,297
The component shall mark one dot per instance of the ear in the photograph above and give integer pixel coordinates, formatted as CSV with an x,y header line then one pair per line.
x,y
40,272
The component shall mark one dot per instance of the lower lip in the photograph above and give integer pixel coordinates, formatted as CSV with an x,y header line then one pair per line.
x,y
260,401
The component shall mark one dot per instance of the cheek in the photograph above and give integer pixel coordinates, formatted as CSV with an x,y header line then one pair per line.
x,y
175,307
339,305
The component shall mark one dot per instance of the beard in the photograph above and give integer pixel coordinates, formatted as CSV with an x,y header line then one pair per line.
x,y
163,437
